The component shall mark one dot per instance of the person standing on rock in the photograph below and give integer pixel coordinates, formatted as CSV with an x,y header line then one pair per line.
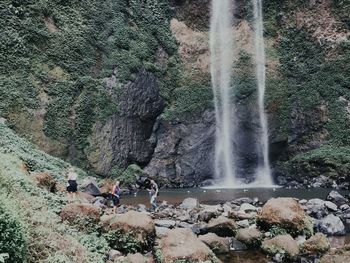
x,y
72,185
115,195
153,191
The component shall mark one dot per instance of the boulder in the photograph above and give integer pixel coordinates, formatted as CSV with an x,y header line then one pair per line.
x,y
316,244
181,244
222,226
337,256
189,203
243,223
316,207
249,236
46,181
284,245
331,225
130,228
114,254
331,206
81,215
219,245
209,212
285,213
337,198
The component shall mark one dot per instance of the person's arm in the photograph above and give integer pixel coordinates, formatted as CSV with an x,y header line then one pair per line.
x,y
113,190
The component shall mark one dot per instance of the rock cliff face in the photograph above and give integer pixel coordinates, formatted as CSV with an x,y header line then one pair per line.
x,y
130,84
125,137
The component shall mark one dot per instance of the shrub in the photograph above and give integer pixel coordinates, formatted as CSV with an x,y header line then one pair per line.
x,y
12,236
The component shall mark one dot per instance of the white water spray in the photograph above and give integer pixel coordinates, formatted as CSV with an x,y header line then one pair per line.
x,y
264,177
221,51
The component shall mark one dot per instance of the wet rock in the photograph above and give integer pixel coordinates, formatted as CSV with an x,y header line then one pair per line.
x,y
247,207
219,245
337,198
236,245
286,213
284,245
165,223
138,227
250,236
317,244
331,225
189,203
345,207
181,244
81,215
222,226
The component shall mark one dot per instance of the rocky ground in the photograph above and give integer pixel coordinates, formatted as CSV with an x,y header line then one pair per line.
x,y
285,229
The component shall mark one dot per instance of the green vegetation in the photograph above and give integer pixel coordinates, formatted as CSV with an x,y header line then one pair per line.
x,y
31,214
56,54
126,177
12,236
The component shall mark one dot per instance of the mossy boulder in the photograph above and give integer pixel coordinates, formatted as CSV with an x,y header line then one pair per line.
x,y
222,226
46,181
337,256
317,244
129,232
284,245
181,245
285,213
249,236
220,245
83,216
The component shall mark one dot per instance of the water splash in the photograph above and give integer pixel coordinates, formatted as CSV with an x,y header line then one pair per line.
x,y
264,177
221,56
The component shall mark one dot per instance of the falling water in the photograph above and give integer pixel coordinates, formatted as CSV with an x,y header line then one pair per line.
x,y
221,49
264,177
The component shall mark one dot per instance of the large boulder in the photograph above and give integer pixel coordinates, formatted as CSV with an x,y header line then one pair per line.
x,y
132,230
337,256
249,236
316,244
181,245
84,216
285,213
219,245
222,226
284,245
46,181
331,225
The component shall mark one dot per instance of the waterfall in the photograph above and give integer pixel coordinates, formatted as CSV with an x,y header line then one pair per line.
x,y
264,177
221,55
222,52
